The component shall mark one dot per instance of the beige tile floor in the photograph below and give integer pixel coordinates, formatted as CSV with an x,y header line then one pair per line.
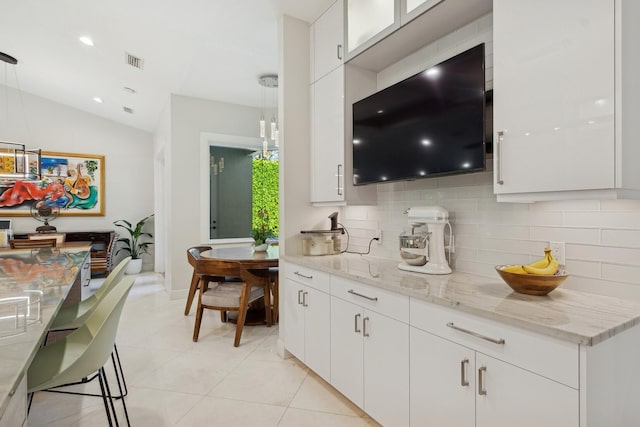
x,y
176,382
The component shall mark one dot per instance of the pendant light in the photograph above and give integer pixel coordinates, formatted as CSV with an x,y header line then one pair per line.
x,y
269,81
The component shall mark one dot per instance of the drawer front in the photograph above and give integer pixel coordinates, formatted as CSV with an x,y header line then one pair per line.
x,y
307,276
544,355
379,300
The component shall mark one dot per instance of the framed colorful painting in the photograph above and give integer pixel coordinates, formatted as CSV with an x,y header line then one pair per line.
x,y
73,183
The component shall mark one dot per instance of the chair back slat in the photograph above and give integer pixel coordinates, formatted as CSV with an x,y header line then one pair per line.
x,y
215,267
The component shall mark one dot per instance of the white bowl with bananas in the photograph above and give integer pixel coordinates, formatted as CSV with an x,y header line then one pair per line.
x,y
537,278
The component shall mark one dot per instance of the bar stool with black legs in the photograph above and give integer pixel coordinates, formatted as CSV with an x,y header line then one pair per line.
x,y
84,351
73,316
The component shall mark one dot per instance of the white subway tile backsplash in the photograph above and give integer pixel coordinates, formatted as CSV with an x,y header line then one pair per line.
x,y
620,205
546,218
621,273
566,234
624,238
603,287
628,256
624,219
584,268
566,206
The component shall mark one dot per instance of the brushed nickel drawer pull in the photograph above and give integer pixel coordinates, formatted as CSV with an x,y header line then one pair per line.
x,y
339,51
499,141
302,275
304,298
463,373
351,291
481,390
300,296
355,318
475,334
365,322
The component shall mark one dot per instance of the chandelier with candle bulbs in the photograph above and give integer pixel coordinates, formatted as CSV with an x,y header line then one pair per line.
x,y
269,133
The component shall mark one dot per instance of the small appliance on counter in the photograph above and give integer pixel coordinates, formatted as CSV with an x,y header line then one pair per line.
x,y
423,251
323,242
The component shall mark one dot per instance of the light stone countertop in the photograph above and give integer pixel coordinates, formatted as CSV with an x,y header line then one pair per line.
x,y
45,275
573,316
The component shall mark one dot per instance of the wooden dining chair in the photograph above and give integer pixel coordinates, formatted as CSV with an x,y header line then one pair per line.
x,y
193,254
223,295
264,277
31,244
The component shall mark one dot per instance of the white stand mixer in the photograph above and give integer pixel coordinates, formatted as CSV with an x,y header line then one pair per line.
x,y
432,254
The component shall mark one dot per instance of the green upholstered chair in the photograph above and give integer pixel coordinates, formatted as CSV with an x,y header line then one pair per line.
x,y
84,351
74,316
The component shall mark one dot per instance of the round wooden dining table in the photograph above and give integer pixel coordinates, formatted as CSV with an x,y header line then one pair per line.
x,y
245,255
251,260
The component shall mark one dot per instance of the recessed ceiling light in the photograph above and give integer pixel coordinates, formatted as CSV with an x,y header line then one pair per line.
x,y
432,72
356,141
426,142
380,111
98,99
86,40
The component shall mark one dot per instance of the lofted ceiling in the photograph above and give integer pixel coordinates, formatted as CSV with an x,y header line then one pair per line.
x,y
211,49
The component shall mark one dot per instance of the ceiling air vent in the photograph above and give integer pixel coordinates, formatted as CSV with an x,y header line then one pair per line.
x,y
134,61
128,110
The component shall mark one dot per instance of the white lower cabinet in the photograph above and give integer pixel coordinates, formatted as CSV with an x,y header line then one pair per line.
x,y
370,354
306,331
454,385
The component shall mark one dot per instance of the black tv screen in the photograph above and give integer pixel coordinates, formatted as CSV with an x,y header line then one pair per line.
x,y
430,124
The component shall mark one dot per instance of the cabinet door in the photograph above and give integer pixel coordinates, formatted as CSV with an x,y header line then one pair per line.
x,y
553,95
515,397
369,21
328,40
443,382
346,350
317,341
386,369
412,8
327,138
293,316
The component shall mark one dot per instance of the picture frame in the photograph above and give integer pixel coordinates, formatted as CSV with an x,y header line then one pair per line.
x,y
72,182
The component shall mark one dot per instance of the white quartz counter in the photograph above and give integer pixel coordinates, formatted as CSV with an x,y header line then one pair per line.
x,y
572,316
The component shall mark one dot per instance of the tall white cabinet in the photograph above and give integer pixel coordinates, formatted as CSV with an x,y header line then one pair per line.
x,y
563,93
327,107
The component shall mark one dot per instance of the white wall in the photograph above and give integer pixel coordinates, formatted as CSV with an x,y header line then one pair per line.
x,y
189,118
602,236
128,158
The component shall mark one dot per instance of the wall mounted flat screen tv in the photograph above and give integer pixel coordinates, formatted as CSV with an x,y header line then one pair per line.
x,y
430,124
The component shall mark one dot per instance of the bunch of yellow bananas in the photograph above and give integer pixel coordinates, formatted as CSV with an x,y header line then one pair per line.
x,y
546,265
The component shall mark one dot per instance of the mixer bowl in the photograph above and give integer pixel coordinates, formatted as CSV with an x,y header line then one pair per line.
x,y
413,248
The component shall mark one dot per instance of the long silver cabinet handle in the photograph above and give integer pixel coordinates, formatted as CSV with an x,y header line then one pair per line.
x,y
365,322
498,154
339,188
304,298
339,51
302,275
481,390
355,327
351,291
475,334
463,373
300,297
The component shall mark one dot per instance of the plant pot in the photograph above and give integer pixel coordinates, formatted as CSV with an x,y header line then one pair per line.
x,y
134,266
261,248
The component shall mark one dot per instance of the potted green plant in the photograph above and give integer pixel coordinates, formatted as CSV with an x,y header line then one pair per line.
x,y
136,244
261,231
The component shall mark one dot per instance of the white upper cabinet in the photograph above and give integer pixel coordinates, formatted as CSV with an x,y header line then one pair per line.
x,y
327,41
369,21
412,8
559,100
327,138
